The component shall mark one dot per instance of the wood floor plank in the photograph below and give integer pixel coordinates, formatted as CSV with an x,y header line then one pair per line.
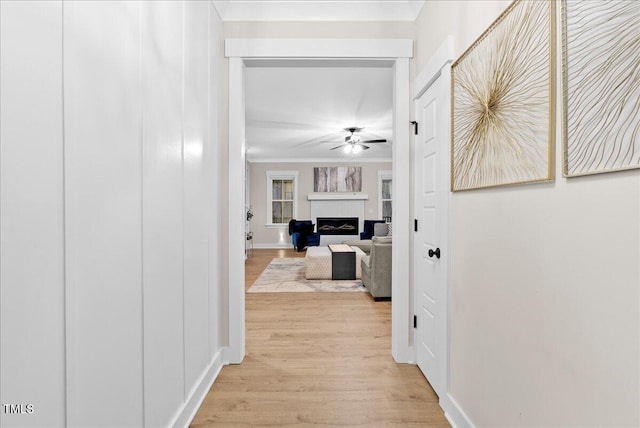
x,y
317,359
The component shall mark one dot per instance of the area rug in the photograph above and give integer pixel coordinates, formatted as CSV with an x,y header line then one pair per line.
x,y
286,275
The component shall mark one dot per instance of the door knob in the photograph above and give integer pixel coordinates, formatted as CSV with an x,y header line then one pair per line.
x,y
434,253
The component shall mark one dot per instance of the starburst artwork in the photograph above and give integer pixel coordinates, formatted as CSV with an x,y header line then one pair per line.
x,y
502,110
601,70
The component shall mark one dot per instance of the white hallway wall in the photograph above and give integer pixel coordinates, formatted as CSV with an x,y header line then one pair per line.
x,y
109,144
545,283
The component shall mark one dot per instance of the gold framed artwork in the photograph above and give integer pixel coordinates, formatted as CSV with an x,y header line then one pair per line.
x,y
601,86
502,110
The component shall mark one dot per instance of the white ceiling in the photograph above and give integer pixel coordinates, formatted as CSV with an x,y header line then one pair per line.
x,y
312,10
297,110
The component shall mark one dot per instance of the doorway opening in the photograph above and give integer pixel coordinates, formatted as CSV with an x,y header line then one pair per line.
x,y
397,52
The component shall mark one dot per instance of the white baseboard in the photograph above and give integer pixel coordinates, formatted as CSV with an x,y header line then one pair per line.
x,y
198,394
324,241
274,246
454,413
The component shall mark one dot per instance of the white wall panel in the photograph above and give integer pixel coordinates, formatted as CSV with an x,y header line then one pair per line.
x,y
109,284
31,213
162,48
213,176
196,126
103,213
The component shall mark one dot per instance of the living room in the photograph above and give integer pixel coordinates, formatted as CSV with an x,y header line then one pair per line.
x,y
267,234
294,150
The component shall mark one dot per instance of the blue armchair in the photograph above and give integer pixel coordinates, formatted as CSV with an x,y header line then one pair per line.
x,y
303,235
367,230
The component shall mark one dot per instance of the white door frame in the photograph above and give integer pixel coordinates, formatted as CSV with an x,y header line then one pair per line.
x,y
396,50
437,64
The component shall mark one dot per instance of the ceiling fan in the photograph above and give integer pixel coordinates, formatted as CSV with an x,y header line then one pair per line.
x,y
353,144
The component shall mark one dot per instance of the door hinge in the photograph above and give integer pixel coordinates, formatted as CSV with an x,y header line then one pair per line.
x,y
415,224
415,127
415,321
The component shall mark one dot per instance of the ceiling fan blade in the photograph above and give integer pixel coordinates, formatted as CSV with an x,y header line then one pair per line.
x,y
374,141
268,124
322,139
337,147
364,147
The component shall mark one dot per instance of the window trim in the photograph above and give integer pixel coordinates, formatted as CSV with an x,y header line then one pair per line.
x,y
383,175
280,175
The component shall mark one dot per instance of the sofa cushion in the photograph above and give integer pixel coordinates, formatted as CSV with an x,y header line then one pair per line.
x,y
382,239
366,260
363,244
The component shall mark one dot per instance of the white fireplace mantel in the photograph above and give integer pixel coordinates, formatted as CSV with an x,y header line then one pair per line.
x,y
341,196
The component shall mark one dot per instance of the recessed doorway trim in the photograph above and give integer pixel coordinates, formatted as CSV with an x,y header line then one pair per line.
x,y
395,52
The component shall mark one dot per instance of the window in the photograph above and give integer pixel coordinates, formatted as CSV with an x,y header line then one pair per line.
x,y
385,195
281,196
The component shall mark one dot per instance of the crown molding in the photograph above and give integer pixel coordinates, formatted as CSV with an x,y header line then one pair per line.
x,y
318,48
319,11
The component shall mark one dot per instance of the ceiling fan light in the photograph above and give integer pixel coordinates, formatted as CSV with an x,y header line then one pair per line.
x,y
348,148
356,149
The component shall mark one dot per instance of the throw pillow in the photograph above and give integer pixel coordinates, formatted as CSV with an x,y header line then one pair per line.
x,y
380,229
390,229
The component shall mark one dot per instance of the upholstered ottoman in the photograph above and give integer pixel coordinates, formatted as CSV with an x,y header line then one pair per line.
x,y
317,263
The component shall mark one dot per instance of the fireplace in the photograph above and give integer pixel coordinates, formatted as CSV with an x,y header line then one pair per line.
x,y
337,225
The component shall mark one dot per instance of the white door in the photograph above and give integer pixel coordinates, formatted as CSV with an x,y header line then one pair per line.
x,y
430,240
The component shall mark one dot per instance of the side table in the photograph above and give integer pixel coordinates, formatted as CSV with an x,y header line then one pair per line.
x,y
343,262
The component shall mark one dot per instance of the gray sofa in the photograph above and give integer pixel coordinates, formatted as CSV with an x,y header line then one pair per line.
x,y
376,268
380,229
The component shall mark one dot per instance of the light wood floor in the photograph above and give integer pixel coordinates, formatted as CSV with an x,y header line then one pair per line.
x,y
317,359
